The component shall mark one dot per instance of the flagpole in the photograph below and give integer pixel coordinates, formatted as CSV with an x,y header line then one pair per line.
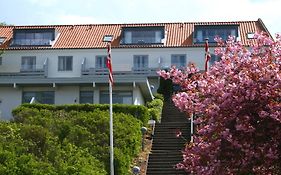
x,y
111,130
109,66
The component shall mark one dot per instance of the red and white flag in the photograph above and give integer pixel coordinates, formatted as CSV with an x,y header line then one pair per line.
x,y
207,54
108,63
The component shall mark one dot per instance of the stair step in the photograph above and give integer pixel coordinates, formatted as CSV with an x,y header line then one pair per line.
x,y
167,149
162,171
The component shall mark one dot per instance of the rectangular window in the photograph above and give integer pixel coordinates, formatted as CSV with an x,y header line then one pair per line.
x,y
121,97
86,97
43,97
28,63
214,58
101,62
142,35
201,32
178,60
33,37
0,61
65,63
140,61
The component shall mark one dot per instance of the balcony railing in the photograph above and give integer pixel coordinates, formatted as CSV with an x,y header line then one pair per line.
x,y
104,71
29,70
91,71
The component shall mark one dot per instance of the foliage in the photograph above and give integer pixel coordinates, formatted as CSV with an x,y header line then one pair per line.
x,y
138,111
31,149
155,109
238,109
83,132
158,96
3,24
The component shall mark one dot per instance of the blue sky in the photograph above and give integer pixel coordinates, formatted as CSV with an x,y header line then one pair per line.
x,y
37,12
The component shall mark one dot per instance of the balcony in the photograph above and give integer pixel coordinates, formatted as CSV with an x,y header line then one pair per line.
x,y
86,70
26,70
97,71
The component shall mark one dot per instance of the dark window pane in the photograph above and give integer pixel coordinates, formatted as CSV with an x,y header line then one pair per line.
x,y
143,35
33,37
43,97
178,60
86,97
210,32
122,97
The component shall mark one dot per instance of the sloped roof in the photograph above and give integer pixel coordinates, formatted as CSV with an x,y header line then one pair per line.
x,y
91,36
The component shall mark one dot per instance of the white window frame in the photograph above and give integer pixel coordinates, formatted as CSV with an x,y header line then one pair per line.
x,y
63,63
28,63
101,61
140,61
176,60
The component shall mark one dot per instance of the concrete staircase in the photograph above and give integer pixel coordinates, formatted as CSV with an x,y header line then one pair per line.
x,y
166,147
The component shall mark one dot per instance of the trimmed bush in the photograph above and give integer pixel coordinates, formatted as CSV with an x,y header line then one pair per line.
x,y
138,111
31,149
155,109
86,131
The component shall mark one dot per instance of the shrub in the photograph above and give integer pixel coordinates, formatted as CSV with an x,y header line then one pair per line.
x,y
31,149
155,109
85,130
138,111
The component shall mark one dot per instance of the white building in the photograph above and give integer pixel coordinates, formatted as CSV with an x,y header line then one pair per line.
x,y
65,64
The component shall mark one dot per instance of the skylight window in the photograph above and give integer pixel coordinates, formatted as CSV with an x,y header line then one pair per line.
x,y
107,38
250,35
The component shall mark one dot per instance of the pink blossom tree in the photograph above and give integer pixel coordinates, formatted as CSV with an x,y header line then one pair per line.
x,y
237,105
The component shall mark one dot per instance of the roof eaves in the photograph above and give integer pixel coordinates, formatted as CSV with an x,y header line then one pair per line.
x,y
265,28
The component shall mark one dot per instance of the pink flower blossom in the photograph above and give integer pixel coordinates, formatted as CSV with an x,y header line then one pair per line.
x,y
237,105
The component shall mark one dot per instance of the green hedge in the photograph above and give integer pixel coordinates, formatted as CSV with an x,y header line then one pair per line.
x,y
33,150
86,131
138,111
155,109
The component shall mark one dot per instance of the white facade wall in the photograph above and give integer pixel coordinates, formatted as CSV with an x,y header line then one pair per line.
x,y
67,94
10,98
122,59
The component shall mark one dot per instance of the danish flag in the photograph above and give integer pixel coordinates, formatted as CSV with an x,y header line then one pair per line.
x,y
108,63
207,54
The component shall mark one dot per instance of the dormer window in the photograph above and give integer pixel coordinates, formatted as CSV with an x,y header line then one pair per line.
x,y
142,35
201,32
33,37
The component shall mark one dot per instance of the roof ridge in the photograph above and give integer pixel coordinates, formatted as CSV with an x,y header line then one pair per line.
x,y
121,24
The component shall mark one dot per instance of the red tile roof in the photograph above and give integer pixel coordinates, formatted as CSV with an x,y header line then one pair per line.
x,y
91,36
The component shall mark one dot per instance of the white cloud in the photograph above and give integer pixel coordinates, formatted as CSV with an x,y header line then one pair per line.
x,y
137,11
44,3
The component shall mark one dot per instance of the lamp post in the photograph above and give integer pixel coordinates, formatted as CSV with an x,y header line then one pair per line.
x,y
108,39
136,170
143,131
